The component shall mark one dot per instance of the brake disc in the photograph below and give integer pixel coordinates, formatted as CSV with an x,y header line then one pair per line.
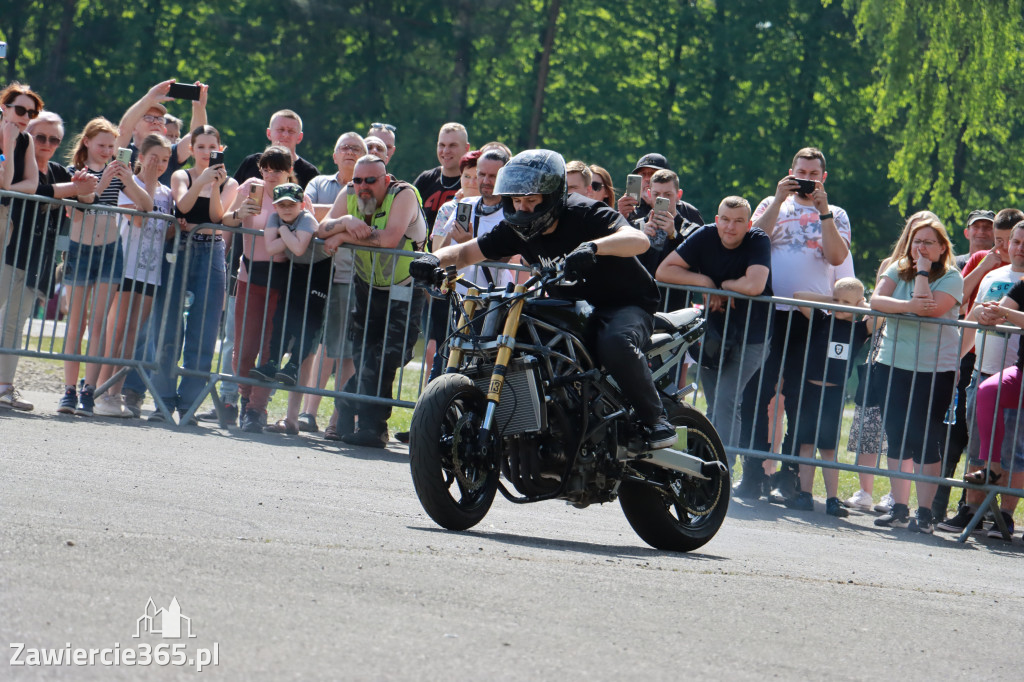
x,y
464,426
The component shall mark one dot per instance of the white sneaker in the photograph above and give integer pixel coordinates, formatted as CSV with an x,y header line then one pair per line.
x,y
861,500
11,399
885,504
111,406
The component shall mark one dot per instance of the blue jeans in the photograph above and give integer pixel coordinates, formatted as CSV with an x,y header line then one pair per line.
x,y
199,270
724,390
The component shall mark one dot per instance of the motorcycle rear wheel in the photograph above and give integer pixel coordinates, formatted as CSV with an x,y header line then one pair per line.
x,y
691,512
454,485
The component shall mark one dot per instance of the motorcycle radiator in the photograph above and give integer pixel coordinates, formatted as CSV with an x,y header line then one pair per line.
x,y
520,409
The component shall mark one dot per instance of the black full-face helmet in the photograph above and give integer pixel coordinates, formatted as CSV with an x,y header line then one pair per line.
x,y
535,171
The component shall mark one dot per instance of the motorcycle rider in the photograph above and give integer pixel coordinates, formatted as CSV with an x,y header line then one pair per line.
x,y
544,225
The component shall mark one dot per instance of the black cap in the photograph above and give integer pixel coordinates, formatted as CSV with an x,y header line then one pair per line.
x,y
652,161
979,214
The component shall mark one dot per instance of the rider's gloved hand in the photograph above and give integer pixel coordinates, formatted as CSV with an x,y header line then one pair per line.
x,y
423,268
581,261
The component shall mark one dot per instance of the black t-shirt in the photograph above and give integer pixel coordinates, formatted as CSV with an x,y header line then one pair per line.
x,y
435,190
34,229
832,347
1016,294
683,210
687,218
250,168
615,282
704,253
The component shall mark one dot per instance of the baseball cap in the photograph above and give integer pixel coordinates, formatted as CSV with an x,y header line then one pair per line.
x,y
652,161
979,214
289,191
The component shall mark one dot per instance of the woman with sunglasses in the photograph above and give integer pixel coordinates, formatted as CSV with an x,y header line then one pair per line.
x,y
260,280
27,272
18,172
601,188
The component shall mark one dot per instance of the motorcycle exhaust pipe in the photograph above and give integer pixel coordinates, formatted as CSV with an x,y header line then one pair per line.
x,y
684,463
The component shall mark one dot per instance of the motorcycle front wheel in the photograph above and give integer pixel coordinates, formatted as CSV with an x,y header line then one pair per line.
x,y
683,513
454,483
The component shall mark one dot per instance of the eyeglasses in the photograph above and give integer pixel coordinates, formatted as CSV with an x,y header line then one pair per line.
x,y
348,148
365,181
47,139
596,185
24,111
927,243
385,126
150,118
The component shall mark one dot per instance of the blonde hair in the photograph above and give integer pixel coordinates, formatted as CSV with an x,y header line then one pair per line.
x,y
851,284
79,152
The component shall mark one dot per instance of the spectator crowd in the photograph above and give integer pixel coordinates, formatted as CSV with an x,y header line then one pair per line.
x,y
263,260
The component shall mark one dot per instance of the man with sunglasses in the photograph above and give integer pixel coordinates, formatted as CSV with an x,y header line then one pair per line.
x,y
386,133
149,115
376,210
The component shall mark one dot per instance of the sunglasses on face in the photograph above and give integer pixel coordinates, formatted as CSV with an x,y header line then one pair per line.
x,y
385,126
596,185
47,139
24,111
150,118
365,181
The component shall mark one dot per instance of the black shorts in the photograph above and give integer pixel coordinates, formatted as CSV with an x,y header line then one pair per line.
x,y
137,287
821,415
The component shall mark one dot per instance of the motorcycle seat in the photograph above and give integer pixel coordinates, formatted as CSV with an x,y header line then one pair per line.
x,y
676,320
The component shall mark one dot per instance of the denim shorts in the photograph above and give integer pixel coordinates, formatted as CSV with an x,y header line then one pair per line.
x,y
101,264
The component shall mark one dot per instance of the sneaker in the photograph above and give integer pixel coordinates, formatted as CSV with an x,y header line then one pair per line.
x,y
923,522
833,507
251,422
288,375
994,531
402,436
885,504
801,502
11,399
367,439
265,372
898,517
957,523
860,500
661,434
86,403
133,401
108,405
307,423
230,413
68,401
191,421
156,416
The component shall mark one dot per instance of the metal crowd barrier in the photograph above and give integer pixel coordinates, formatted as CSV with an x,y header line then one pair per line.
x,y
735,328
38,235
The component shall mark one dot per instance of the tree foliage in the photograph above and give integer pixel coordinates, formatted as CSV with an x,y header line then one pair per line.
x,y
907,98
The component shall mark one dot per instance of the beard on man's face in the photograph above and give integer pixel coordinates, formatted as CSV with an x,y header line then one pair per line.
x,y
367,206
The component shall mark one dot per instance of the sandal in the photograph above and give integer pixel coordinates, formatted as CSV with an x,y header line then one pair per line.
x,y
983,477
283,426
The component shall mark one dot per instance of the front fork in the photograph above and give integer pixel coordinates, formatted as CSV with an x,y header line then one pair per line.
x,y
506,344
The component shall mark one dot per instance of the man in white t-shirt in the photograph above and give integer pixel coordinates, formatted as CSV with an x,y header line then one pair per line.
x,y
810,239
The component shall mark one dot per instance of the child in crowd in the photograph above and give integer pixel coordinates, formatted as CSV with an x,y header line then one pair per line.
x,y
142,242
298,319
834,340
93,263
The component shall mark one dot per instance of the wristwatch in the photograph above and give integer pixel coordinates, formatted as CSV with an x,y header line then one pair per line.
x,y
824,216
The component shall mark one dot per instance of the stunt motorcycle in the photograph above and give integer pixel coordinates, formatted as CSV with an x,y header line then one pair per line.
x,y
524,409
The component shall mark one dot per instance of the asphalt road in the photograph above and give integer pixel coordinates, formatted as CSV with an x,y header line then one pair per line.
x,y
301,560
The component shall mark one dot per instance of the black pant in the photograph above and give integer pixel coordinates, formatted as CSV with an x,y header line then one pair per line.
x,y
299,316
785,363
913,409
618,337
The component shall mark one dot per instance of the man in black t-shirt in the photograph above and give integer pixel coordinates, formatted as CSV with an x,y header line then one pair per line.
x,y
286,131
732,256
438,185
546,227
